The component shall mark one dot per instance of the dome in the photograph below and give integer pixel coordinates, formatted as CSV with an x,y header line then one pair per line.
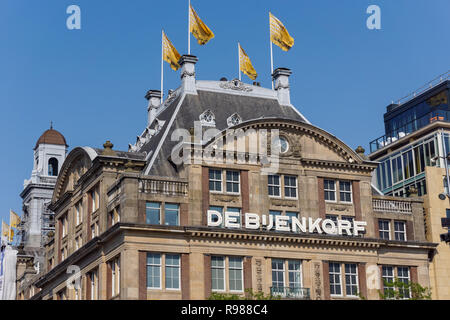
x,y
51,136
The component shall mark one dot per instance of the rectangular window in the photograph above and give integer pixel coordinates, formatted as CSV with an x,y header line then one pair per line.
x,y
335,279
153,213
78,213
235,269
400,230
388,277
215,180
332,217
351,279
94,195
384,229
403,277
329,187
345,191
154,271
218,273
232,181
349,219
93,285
290,186
277,273
115,276
171,214
172,271
274,185
295,274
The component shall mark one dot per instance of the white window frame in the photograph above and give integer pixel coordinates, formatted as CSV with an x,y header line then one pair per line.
x,y
241,268
400,232
339,273
155,265
78,213
171,210
274,185
334,191
238,182
403,278
351,284
115,276
290,187
224,274
345,191
177,266
214,180
279,270
388,231
300,272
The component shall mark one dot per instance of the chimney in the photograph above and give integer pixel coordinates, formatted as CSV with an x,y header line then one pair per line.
x,y
187,63
154,102
281,79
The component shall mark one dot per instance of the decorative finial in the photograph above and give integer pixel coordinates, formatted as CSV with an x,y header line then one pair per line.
x,y
51,125
108,151
360,151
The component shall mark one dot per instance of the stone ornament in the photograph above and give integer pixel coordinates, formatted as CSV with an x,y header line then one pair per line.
x,y
235,84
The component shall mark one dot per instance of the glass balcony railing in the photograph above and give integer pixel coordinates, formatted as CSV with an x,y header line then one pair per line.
x,y
410,127
290,293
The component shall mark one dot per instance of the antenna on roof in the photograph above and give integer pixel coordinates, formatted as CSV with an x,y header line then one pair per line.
x,y
51,125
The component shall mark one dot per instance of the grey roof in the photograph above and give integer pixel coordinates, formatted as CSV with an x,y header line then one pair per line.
x,y
223,105
123,154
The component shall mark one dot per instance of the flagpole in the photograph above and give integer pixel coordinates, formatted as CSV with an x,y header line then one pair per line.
x,y
9,235
239,60
189,28
162,65
271,52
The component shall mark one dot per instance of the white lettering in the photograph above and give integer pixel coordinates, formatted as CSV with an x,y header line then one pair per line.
x,y
328,226
344,225
74,20
281,223
231,220
359,226
213,222
314,225
297,224
252,221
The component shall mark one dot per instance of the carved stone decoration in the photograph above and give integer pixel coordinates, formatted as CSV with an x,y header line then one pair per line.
x,y
259,275
317,281
187,74
208,118
172,95
284,203
234,120
235,84
226,198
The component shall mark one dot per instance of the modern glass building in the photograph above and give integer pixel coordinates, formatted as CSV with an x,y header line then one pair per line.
x,y
413,152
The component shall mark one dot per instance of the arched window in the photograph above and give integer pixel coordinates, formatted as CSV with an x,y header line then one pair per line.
x,y
53,167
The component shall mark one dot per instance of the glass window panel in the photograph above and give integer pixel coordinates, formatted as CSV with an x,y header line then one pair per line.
x,y
171,214
153,210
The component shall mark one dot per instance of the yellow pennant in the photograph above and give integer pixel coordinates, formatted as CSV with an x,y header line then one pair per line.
x,y
170,54
198,28
6,231
246,64
14,219
279,34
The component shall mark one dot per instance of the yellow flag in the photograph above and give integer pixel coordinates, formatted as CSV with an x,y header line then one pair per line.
x,y
246,64
14,219
279,34
170,54
5,230
198,28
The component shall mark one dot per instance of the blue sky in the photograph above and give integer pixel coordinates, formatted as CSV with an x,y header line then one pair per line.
x,y
91,82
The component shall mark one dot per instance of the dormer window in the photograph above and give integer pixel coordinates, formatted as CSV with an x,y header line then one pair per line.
x,y
53,167
208,118
234,120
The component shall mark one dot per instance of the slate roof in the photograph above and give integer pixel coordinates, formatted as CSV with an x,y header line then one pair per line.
x,y
249,106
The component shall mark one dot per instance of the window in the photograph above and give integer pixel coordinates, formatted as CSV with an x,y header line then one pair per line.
x,y
170,263
384,229
93,284
215,180
153,213
232,181
94,198
388,276
332,217
64,225
345,191
335,279
94,230
115,216
292,215
399,231
351,279
115,276
290,186
330,190
218,273
236,273
295,274
78,213
349,219
278,273
172,271
403,277
171,214
274,185
153,271
53,167
78,242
